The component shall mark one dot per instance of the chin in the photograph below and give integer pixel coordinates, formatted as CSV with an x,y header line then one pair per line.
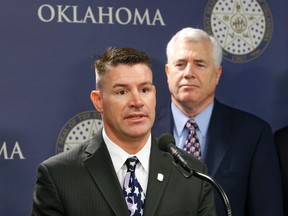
x,y
187,99
139,133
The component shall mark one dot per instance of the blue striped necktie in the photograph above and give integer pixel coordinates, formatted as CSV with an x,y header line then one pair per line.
x,y
133,192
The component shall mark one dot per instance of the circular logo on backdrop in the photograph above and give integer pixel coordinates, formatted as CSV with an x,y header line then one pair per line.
x,y
243,27
78,129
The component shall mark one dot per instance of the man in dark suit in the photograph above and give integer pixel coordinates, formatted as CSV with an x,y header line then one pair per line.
x,y
281,140
87,180
236,146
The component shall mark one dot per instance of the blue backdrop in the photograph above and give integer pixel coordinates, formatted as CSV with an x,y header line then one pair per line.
x,y
46,54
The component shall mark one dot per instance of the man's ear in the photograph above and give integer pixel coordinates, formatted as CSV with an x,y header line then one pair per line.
x,y
167,68
96,99
218,74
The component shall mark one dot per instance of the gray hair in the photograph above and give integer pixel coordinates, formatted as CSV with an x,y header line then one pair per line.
x,y
189,34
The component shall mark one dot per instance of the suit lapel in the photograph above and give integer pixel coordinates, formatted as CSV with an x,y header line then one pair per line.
x,y
159,166
101,169
218,138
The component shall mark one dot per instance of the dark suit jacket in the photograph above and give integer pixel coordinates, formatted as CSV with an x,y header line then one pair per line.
x,y
83,182
241,156
281,139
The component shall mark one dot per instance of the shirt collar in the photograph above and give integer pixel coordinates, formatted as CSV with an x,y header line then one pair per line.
x,y
202,119
179,119
119,156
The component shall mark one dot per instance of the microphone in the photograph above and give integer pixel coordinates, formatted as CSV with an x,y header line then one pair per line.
x,y
166,143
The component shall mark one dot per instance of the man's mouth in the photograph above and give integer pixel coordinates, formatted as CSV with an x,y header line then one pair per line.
x,y
135,117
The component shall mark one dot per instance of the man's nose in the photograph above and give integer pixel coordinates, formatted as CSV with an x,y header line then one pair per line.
x,y
189,71
136,99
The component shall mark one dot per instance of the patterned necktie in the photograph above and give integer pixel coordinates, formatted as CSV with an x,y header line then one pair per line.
x,y
192,144
132,190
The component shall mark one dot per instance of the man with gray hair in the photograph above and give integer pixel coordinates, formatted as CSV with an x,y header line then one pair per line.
x,y
237,146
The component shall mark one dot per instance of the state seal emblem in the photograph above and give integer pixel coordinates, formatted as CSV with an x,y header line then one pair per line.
x,y
78,129
243,27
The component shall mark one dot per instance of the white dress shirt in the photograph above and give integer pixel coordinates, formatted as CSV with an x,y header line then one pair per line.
x,y
119,156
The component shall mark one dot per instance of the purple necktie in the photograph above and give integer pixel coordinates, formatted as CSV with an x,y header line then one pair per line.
x,y
192,144
132,190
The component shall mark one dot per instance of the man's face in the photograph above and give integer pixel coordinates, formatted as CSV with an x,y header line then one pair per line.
x,y
127,102
192,76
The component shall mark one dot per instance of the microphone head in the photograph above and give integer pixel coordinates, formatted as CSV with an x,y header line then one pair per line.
x,y
164,141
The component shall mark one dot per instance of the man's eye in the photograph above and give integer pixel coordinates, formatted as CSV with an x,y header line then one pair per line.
x,y
201,65
180,65
144,90
121,92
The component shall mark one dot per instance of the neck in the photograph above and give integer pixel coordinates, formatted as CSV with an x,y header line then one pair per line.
x,y
129,144
192,109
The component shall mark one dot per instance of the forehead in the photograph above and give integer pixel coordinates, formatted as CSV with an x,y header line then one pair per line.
x,y
201,49
129,74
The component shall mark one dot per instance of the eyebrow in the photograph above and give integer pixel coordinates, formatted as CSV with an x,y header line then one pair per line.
x,y
199,61
116,85
180,60
195,60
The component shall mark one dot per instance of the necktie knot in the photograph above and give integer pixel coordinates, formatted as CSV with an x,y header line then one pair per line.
x,y
131,163
191,125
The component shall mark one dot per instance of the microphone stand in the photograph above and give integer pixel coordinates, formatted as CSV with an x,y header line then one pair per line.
x,y
211,181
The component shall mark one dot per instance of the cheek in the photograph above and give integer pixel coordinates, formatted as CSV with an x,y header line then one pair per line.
x,y
214,81
210,84
174,78
109,105
112,114
150,101
153,102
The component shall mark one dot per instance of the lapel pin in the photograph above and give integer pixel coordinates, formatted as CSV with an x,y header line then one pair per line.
x,y
160,177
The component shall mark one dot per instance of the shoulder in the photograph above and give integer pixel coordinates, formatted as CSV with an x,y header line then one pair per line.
x,y
75,155
282,132
281,136
237,115
67,157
